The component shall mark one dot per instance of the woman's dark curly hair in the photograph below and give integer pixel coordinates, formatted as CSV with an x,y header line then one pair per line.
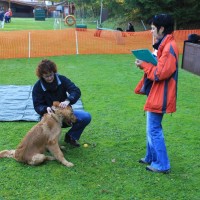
x,y
44,67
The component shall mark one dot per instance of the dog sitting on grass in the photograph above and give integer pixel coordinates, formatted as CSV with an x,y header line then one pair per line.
x,y
43,136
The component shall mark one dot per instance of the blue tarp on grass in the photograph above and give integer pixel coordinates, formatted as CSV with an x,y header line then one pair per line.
x,y
16,103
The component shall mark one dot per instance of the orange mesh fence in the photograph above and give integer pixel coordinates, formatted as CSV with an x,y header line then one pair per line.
x,y
52,43
13,47
182,35
28,44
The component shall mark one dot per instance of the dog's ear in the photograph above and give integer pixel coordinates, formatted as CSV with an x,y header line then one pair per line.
x,y
56,103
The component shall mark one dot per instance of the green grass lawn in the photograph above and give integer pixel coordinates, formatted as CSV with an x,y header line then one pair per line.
x,y
48,24
108,169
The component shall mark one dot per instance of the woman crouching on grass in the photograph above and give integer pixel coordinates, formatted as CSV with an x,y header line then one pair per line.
x,y
159,83
51,87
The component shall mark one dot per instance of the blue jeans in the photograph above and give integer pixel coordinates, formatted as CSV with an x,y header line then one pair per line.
x,y
83,119
156,152
7,19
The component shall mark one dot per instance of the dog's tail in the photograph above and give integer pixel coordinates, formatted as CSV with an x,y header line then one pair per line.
x,y
7,154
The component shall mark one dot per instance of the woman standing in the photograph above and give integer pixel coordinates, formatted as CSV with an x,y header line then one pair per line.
x,y
159,83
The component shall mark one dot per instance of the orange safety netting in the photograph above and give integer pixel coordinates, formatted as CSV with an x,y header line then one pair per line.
x,y
29,44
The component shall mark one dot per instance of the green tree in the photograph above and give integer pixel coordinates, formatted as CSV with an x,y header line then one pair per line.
x,y
185,12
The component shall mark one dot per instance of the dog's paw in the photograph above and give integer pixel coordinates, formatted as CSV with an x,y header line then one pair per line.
x,y
50,158
69,164
62,147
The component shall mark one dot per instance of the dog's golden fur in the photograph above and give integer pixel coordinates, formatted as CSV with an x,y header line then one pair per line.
x,y
43,136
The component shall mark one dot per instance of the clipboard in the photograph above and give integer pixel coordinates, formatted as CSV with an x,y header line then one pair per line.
x,y
145,55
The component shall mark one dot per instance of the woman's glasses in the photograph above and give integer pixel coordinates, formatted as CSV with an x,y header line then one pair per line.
x,y
47,76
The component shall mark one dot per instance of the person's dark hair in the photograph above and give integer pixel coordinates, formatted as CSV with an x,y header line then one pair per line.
x,y
164,20
193,38
44,67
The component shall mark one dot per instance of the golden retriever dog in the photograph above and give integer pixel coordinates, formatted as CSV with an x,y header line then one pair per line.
x,y
43,136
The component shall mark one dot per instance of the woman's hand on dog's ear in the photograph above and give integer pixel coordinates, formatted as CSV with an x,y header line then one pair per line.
x,y
49,110
64,104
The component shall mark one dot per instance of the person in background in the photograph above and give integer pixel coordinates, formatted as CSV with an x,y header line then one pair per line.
x,y
130,27
51,87
159,83
8,16
1,17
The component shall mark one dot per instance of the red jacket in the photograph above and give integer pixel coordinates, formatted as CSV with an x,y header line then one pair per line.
x,y
164,77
